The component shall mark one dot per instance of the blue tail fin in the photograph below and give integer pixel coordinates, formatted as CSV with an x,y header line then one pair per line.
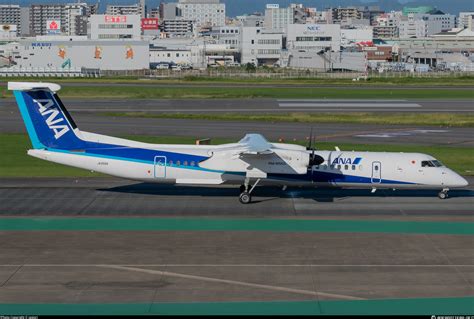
x,y
48,123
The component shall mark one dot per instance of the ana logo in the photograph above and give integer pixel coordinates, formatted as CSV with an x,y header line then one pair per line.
x,y
54,118
348,160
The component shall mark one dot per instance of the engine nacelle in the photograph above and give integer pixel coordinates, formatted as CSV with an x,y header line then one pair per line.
x,y
281,161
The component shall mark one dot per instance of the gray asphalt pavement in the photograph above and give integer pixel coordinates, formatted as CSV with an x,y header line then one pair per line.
x,y
115,197
211,266
11,122
264,105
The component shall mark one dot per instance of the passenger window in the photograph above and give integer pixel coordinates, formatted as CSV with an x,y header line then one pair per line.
x,y
353,167
170,163
333,167
346,167
192,163
185,163
178,163
376,167
339,167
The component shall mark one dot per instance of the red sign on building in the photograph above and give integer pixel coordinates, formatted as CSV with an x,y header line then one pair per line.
x,y
150,24
115,19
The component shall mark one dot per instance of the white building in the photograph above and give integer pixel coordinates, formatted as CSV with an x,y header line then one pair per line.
x,y
10,14
466,20
47,53
277,18
260,46
133,9
349,37
111,27
177,28
205,13
314,37
229,35
386,25
424,25
72,18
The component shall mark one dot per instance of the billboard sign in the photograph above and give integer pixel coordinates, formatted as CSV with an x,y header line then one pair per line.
x,y
150,24
115,19
273,6
53,26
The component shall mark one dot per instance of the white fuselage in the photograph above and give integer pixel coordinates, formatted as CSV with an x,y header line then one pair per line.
x,y
340,168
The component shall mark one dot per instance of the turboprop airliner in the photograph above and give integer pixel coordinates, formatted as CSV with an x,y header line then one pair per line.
x,y
251,162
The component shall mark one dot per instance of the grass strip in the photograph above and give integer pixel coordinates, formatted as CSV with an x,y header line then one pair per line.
x,y
429,119
150,92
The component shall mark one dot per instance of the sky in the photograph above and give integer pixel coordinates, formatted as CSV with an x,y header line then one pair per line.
x,y
237,7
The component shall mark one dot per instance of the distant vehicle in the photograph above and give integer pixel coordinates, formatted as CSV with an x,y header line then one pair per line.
x,y
162,65
250,162
175,67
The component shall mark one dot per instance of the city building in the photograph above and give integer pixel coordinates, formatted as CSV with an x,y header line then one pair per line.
x,y
418,10
228,35
466,20
277,18
386,25
251,20
351,37
68,19
261,46
114,27
171,28
204,13
131,9
424,25
56,53
10,14
344,13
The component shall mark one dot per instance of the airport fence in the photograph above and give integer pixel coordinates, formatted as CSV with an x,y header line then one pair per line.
x,y
278,74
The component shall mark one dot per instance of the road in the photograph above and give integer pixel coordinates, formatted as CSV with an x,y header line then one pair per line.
x,y
11,122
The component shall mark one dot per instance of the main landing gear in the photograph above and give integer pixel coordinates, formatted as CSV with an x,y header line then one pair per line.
x,y
245,196
443,194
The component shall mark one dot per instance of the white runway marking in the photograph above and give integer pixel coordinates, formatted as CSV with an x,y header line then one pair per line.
x,y
237,265
401,133
236,283
352,105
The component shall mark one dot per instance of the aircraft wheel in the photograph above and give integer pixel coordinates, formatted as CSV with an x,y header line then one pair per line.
x,y
245,198
443,195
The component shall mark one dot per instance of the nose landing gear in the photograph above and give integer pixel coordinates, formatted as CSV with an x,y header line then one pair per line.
x,y
245,196
443,194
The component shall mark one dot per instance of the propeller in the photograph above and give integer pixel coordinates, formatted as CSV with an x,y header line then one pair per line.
x,y
313,158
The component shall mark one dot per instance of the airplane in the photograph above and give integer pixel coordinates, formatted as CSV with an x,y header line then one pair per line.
x,y
251,162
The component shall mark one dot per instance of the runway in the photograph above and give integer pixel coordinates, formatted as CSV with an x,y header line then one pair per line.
x,y
116,197
11,122
106,241
264,105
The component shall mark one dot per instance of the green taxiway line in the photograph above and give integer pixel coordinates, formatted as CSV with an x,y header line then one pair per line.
x,y
207,224
417,306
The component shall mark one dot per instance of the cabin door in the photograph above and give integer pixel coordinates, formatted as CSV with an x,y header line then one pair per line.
x,y
160,167
376,172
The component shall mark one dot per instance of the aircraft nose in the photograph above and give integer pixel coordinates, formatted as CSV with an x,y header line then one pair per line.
x,y
459,181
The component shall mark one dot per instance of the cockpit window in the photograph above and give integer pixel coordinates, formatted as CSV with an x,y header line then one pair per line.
x,y
434,163
437,163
